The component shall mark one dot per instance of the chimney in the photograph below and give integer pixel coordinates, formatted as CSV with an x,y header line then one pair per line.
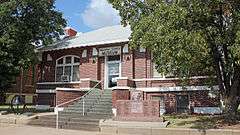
x,y
70,32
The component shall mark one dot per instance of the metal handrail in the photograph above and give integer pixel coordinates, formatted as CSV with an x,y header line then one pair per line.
x,y
78,98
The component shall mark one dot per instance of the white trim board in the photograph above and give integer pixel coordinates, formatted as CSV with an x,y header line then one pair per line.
x,y
42,107
59,82
88,79
177,88
45,91
166,79
73,89
207,110
42,91
85,45
120,87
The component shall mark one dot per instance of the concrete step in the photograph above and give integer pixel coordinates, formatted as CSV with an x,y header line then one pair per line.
x,y
90,100
81,125
90,115
67,119
108,110
103,106
95,108
43,123
88,105
107,95
104,100
104,114
80,107
109,113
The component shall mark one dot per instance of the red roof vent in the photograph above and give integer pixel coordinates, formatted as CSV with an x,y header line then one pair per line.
x,y
70,32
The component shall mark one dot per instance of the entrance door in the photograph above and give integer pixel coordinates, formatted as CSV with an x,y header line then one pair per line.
x,y
182,104
162,103
113,70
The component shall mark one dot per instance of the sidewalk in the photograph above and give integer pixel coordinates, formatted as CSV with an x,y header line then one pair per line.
x,y
13,129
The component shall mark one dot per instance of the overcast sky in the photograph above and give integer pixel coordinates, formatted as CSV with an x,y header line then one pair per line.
x,y
87,15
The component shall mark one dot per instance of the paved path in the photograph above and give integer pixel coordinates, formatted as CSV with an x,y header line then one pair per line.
x,y
6,129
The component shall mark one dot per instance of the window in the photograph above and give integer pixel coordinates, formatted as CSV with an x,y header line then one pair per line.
x,y
67,66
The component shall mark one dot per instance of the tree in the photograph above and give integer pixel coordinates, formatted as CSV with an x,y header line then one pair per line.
x,y
23,24
190,37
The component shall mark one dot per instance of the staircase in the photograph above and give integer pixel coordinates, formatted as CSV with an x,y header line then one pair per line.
x,y
97,105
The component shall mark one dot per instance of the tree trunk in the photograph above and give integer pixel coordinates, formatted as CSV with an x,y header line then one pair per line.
x,y
231,105
2,97
232,99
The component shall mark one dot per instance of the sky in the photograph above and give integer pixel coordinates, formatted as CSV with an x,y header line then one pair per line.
x,y
88,15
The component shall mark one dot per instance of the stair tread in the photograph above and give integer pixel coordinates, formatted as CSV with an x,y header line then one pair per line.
x,y
96,106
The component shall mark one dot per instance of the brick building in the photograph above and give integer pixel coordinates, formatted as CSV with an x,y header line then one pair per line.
x,y
25,84
76,63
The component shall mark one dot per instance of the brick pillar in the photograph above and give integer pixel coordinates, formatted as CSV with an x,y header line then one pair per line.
x,y
127,65
120,94
89,66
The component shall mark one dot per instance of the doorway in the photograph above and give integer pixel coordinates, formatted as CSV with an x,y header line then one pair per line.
x,y
113,70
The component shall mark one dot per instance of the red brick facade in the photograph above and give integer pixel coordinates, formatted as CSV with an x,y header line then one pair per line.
x,y
119,95
47,99
196,99
64,96
134,64
144,110
29,80
136,73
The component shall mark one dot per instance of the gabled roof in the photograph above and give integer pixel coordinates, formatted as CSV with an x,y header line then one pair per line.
x,y
106,35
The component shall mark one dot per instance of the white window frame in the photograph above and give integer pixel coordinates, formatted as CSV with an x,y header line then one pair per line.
x,y
72,64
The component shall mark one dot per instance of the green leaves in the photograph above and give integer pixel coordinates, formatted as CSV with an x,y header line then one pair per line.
x,y
23,23
189,37
182,34
176,47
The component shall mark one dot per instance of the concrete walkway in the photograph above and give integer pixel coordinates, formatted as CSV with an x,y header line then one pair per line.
x,y
13,129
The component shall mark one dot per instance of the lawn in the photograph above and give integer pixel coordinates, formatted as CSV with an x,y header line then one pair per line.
x,y
201,122
29,108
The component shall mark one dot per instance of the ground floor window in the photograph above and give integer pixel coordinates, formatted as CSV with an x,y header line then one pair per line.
x,y
182,103
67,69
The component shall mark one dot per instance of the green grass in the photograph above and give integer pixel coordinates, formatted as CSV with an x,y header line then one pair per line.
x,y
198,121
29,108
